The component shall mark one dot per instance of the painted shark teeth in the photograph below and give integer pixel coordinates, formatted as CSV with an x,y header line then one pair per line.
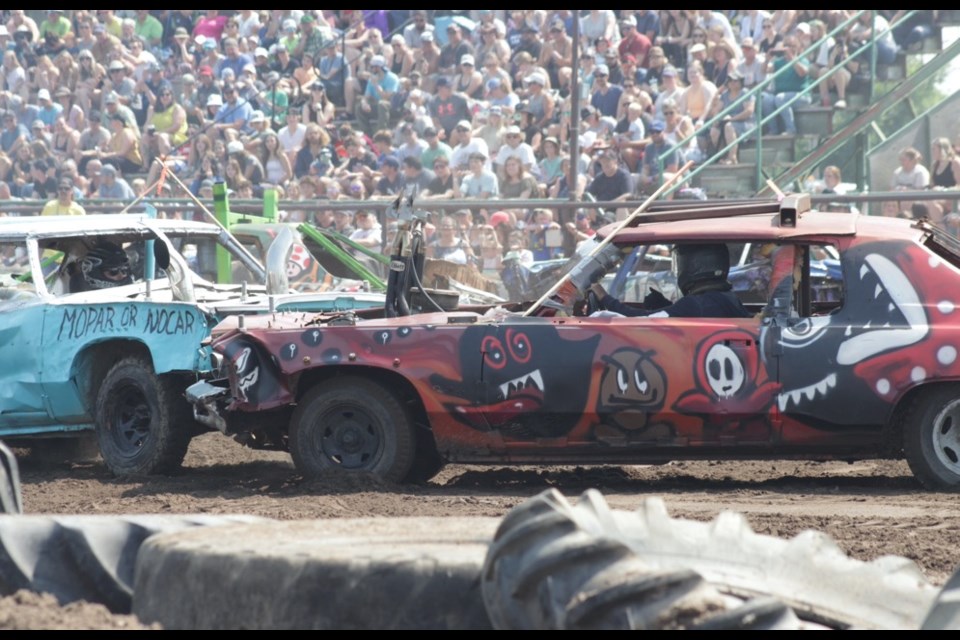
x,y
519,384
809,393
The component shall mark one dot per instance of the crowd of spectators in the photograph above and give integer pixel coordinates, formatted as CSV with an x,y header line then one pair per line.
x,y
348,105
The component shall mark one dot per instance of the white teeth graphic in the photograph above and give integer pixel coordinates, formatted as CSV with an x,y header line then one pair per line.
x,y
864,270
810,392
877,291
890,308
848,332
521,383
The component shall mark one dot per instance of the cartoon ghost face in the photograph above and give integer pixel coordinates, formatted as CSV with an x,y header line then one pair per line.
x,y
724,371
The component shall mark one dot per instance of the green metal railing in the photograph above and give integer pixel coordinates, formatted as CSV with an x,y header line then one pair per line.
x,y
756,93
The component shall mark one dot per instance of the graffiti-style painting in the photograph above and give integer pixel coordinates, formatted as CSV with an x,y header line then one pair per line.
x,y
633,389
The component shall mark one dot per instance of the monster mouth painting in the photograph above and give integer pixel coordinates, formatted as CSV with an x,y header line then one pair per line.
x,y
809,393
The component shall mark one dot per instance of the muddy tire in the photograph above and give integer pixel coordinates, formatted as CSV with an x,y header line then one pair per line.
x,y
143,421
553,565
88,558
352,424
931,437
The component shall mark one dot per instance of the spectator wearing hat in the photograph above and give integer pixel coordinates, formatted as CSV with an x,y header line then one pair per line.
x,y
514,147
283,63
413,32
208,53
448,109
93,141
250,165
605,96
411,146
233,58
49,110
738,121
467,145
258,128
653,173
752,66
540,103
119,82
14,134
631,136
232,117
107,46
491,43
670,88
392,180
368,232
789,89
55,23
39,133
477,181
25,112
427,61
312,37
113,186
123,150
18,18
64,204
633,41
530,42
444,183
612,182
343,222
556,56
90,79
373,109
468,81
499,95
493,129
436,148
177,26
453,51
401,60
334,73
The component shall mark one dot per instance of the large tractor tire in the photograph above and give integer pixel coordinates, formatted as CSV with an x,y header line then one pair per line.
x,y
554,565
89,558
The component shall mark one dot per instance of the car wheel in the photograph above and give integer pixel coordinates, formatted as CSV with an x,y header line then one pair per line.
x,y
554,565
931,437
143,421
352,424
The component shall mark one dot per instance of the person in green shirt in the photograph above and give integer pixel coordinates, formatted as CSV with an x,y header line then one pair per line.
x,y
57,23
274,102
790,87
148,28
435,148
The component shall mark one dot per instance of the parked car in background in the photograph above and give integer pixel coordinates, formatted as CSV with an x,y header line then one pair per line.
x,y
103,321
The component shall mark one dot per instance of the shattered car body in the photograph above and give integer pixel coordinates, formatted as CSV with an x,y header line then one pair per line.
x,y
870,370
114,361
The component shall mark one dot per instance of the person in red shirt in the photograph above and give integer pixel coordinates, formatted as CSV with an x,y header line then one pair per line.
x,y
633,42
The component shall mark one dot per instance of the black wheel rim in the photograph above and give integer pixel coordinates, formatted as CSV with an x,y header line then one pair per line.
x,y
349,437
130,419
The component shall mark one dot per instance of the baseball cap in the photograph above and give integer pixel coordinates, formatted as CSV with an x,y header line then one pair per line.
x,y
180,32
206,184
499,218
108,170
658,126
493,83
307,17
111,98
426,36
601,70
697,48
804,28
512,130
735,75
289,25
535,78
442,81
261,52
748,43
97,28
215,100
465,124
378,61
209,43
467,59
669,70
206,70
257,116
391,161
234,146
38,124
61,92
629,20
429,132
43,94
188,78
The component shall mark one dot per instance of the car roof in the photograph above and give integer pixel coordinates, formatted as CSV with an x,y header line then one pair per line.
x,y
762,227
18,228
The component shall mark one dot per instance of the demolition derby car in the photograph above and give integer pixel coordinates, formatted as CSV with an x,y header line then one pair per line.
x,y
858,362
102,318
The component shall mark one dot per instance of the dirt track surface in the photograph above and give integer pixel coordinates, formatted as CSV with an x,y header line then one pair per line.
x,y
870,508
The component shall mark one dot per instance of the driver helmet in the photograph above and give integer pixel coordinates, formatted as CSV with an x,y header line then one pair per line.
x,y
105,265
702,266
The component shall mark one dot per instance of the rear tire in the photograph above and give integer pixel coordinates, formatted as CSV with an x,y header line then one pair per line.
x,y
352,424
143,420
931,437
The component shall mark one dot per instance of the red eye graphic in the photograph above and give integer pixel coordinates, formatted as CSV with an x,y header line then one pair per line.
x,y
519,346
493,354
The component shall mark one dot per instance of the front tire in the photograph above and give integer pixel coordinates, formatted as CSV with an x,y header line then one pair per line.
x,y
143,421
352,424
931,437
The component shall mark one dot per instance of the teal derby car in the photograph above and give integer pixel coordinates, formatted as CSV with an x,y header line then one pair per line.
x,y
102,324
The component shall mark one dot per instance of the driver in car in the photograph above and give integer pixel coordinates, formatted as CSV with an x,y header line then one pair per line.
x,y
105,265
702,271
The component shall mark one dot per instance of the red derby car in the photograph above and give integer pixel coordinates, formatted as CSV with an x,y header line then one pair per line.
x,y
870,371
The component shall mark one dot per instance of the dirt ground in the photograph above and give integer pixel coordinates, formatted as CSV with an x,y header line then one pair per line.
x,y
871,508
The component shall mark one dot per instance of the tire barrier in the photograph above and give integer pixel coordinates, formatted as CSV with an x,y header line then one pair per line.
x,y
554,565
369,573
80,557
10,498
